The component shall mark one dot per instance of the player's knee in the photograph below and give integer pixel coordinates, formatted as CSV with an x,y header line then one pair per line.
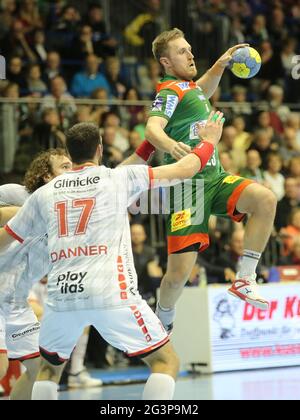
x,y
165,360
261,201
3,366
168,364
176,279
175,362
267,202
32,368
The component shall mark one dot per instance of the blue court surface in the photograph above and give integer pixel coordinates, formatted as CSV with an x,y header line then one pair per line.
x,y
275,384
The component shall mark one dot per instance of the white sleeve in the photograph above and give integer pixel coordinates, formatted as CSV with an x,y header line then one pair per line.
x,y
137,179
28,222
13,195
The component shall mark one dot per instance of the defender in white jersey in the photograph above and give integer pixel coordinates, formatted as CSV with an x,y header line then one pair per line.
x,y
92,280
19,327
24,265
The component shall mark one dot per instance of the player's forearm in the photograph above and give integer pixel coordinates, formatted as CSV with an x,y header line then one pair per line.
x,y
133,159
141,156
160,140
210,81
186,168
5,239
7,213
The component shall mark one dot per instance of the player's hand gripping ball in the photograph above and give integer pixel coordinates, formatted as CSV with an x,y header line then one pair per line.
x,y
245,63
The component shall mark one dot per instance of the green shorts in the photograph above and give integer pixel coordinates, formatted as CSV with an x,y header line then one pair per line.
x,y
188,223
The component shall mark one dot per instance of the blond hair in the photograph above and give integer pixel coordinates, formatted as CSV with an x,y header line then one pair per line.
x,y
161,42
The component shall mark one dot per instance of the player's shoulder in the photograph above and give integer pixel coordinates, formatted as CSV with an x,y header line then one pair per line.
x,y
13,195
178,87
129,169
125,175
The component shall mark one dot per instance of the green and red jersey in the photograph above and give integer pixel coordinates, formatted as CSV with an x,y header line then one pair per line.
x,y
183,104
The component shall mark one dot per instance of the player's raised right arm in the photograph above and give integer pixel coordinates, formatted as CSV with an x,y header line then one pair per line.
x,y
156,135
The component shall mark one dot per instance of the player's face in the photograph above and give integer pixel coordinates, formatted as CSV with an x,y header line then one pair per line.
x,y
60,165
180,60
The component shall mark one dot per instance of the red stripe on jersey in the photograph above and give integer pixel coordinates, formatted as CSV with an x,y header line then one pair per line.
x,y
151,177
81,168
150,349
13,234
3,351
28,357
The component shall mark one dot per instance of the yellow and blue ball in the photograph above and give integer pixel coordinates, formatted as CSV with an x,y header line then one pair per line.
x,y
245,63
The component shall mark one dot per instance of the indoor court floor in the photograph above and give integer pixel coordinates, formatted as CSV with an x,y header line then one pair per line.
x,y
127,384
272,384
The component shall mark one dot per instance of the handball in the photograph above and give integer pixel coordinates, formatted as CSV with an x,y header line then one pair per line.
x,y
245,63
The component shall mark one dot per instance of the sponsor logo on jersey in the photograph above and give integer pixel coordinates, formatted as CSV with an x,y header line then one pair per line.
x,y
122,279
71,282
158,104
184,86
194,129
81,251
78,182
172,102
202,97
29,331
181,220
140,321
231,179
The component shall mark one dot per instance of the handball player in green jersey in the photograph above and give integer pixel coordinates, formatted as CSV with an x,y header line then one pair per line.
x,y
180,105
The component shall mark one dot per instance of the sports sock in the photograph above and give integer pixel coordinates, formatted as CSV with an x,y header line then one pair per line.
x,y
44,390
166,316
159,387
78,355
249,263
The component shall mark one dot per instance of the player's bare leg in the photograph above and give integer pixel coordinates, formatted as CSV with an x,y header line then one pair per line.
x,y
3,365
46,385
78,375
178,272
164,365
22,389
260,203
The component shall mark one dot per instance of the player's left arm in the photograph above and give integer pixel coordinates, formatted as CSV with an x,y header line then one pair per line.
x,y
27,223
141,156
5,239
210,81
7,213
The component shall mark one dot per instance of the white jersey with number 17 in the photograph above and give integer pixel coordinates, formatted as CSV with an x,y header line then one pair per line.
x,y
85,215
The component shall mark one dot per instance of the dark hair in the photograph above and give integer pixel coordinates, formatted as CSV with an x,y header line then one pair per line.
x,y
106,115
272,155
82,141
40,168
95,5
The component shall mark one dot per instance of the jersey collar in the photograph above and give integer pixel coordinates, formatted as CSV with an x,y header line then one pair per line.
x,y
86,165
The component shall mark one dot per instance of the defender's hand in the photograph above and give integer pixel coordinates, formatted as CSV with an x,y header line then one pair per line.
x,y
213,129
